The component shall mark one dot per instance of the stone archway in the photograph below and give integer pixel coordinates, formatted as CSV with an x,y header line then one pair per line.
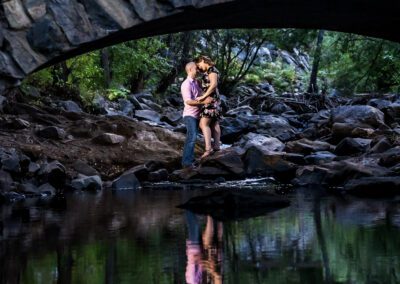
x,y
38,33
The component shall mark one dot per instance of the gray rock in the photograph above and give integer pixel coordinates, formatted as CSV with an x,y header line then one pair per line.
x,y
319,158
109,139
70,106
149,115
358,115
53,173
390,158
393,111
87,183
126,181
381,146
159,175
73,20
28,189
52,132
352,146
126,107
33,168
15,14
232,129
83,168
47,189
276,126
261,142
152,104
10,161
172,117
241,111
228,159
36,8
46,36
305,146
380,104
5,181
258,163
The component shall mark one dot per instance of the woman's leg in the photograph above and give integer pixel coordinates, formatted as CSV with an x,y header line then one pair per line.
x,y
216,134
205,128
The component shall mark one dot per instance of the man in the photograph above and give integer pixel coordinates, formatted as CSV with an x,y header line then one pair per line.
x,y
190,90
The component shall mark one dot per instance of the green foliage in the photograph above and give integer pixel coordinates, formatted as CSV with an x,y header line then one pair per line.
x,y
115,94
354,63
138,59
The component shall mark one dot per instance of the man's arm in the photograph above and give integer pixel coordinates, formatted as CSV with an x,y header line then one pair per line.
x,y
208,100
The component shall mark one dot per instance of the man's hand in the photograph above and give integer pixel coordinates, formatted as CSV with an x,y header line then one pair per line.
x,y
208,100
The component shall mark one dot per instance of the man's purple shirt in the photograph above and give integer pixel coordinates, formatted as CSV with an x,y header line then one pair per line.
x,y
190,90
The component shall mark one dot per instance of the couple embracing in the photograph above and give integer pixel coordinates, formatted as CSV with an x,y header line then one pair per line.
x,y
201,108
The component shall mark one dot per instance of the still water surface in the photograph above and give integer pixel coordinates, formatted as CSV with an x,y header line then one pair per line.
x,y
141,237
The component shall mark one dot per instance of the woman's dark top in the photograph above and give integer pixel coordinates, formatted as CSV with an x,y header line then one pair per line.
x,y
212,110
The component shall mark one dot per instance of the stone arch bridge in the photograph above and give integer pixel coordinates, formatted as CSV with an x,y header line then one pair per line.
x,y
38,33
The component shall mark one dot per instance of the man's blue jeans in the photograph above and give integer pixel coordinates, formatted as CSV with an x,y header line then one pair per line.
x,y
192,125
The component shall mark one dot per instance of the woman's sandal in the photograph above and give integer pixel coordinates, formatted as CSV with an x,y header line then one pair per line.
x,y
207,153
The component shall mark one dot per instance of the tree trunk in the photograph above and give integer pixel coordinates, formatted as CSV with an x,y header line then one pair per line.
x,y
313,86
105,64
180,58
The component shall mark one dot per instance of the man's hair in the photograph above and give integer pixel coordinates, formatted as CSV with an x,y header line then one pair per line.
x,y
189,65
204,58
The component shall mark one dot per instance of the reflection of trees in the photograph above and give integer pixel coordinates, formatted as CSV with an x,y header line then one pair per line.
x,y
109,241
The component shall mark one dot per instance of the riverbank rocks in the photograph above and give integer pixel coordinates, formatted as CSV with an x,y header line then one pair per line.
x,y
232,129
358,116
374,186
90,183
261,142
109,139
276,126
52,132
126,181
352,146
54,173
306,146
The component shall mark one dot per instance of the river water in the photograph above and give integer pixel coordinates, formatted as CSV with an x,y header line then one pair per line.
x,y
142,237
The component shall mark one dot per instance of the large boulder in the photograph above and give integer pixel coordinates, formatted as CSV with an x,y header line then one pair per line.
x,y
339,172
358,116
109,139
276,126
390,158
70,106
393,111
261,142
232,129
149,115
126,181
305,146
263,163
228,160
52,132
87,183
53,173
352,146
320,157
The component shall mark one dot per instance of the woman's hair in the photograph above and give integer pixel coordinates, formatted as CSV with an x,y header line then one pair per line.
x,y
204,58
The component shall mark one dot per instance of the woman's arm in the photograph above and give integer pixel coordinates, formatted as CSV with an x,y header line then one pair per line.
x,y
213,85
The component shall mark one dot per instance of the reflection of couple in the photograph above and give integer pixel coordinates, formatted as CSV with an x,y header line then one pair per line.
x,y
202,101
203,256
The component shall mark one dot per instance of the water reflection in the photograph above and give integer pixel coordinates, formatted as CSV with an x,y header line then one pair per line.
x,y
204,254
142,237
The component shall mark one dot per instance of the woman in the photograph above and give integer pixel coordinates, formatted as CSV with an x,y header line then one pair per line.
x,y
210,113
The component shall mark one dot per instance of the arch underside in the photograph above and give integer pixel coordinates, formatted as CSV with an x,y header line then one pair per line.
x,y
47,38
